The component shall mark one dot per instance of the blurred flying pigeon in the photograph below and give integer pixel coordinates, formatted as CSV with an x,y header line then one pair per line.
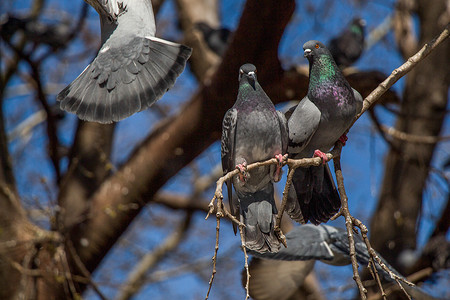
x,y
305,243
252,131
133,68
347,47
216,38
315,124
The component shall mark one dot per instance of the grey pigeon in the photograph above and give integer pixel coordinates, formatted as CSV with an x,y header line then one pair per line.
x,y
252,131
315,124
348,46
325,243
133,68
216,38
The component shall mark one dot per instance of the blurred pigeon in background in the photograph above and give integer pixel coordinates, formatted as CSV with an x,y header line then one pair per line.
x,y
309,243
252,131
348,46
133,68
53,35
315,124
216,38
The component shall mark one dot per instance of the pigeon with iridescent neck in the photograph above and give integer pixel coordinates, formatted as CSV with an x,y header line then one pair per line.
x,y
133,68
315,124
253,131
348,46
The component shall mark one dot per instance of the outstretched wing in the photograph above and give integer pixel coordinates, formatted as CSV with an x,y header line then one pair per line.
x,y
303,243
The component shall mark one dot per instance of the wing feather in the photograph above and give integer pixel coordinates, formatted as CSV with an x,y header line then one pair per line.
x,y
227,150
303,123
138,71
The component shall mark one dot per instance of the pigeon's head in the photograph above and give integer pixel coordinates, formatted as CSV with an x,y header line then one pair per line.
x,y
359,22
313,49
357,26
248,71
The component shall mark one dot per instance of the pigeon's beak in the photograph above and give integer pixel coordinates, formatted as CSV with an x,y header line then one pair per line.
x,y
252,79
307,52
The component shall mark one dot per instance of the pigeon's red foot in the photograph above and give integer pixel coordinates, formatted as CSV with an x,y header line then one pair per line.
x,y
282,159
343,139
322,155
243,174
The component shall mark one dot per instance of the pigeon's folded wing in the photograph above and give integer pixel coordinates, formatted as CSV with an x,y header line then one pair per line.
x,y
227,150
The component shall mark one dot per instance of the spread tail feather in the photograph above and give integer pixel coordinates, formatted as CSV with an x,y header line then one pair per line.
x,y
116,85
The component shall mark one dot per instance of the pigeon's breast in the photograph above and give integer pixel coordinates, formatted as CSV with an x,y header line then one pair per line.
x,y
258,136
338,108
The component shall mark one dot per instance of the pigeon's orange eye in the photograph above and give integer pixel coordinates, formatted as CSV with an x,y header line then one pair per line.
x,y
317,46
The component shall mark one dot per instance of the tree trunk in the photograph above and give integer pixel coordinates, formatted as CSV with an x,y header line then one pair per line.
x,y
394,225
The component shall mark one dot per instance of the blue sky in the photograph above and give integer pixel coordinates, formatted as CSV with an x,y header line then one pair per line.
x,y
362,158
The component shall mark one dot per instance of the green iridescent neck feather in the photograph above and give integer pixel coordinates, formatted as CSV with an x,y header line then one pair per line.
x,y
356,29
324,69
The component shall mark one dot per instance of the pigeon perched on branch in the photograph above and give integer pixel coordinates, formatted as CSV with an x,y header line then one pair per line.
x,y
305,243
348,46
133,68
253,131
315,124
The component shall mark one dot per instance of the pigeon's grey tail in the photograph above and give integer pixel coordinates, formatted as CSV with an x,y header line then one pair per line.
x,y
124,80
316,194
258,213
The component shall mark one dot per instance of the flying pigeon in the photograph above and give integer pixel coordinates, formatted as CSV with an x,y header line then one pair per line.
x,y
216,38
252,130
305,243
133,68
315,124
349,45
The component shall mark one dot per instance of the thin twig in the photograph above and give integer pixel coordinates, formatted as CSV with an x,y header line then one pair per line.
x,y
277,228
373,271
412,138
214,258
137,276
247,282
83,269
374,255
348,224
402,70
